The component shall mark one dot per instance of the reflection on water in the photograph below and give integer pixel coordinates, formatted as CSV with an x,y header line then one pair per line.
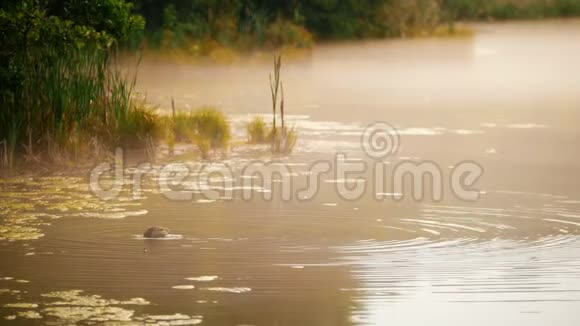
x,y
510,258
461,280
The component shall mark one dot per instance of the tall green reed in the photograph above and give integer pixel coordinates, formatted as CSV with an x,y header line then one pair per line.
x,y
67,99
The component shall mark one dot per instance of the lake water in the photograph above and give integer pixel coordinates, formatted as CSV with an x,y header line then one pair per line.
x,y
507,99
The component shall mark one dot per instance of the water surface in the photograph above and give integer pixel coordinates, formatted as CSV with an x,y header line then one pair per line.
x,y
507,99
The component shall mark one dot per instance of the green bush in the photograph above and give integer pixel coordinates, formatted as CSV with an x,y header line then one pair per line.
x,y
61,94
505,11
285,33
566,8
412,17
534,9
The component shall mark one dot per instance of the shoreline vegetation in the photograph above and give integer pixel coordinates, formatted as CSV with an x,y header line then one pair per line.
x,y
223,31
65,99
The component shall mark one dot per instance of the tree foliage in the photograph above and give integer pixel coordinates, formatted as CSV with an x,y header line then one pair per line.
x,y
31,25
54,70
331,19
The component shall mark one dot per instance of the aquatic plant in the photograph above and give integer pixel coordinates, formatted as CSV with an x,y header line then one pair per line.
x,y
67,100
206,127
288,142
274,89
257,131
212,130
282,140
77,307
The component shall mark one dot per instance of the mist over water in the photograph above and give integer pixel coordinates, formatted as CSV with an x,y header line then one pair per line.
x,y
506,71
508,98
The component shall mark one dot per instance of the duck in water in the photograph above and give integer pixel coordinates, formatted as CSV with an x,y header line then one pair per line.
x,y
156,232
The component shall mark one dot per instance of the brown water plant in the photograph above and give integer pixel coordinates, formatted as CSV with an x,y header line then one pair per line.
x,y
257,131
282,140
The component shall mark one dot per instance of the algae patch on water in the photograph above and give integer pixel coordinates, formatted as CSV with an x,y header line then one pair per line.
x,y
27,205
175,319
75,297
75,307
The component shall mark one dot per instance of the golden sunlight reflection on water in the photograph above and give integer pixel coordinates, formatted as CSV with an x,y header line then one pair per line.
x,y
507,99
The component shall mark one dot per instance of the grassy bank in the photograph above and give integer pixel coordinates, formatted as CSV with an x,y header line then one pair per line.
x,y
75,105
64,99
69,104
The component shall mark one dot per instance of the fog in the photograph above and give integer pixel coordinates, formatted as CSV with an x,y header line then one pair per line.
x,y
518,71
507,99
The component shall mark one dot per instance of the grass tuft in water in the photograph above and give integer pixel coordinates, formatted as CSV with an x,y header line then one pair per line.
x,y
212,130
206,127
258,131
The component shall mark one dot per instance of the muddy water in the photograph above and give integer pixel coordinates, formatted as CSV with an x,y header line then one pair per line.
x,y
507,99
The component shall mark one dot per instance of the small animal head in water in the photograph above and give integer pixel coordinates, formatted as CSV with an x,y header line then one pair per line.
x,y
156,232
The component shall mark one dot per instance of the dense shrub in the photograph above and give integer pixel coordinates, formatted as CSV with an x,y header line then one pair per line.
x,y
59,91
247,24
285,33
